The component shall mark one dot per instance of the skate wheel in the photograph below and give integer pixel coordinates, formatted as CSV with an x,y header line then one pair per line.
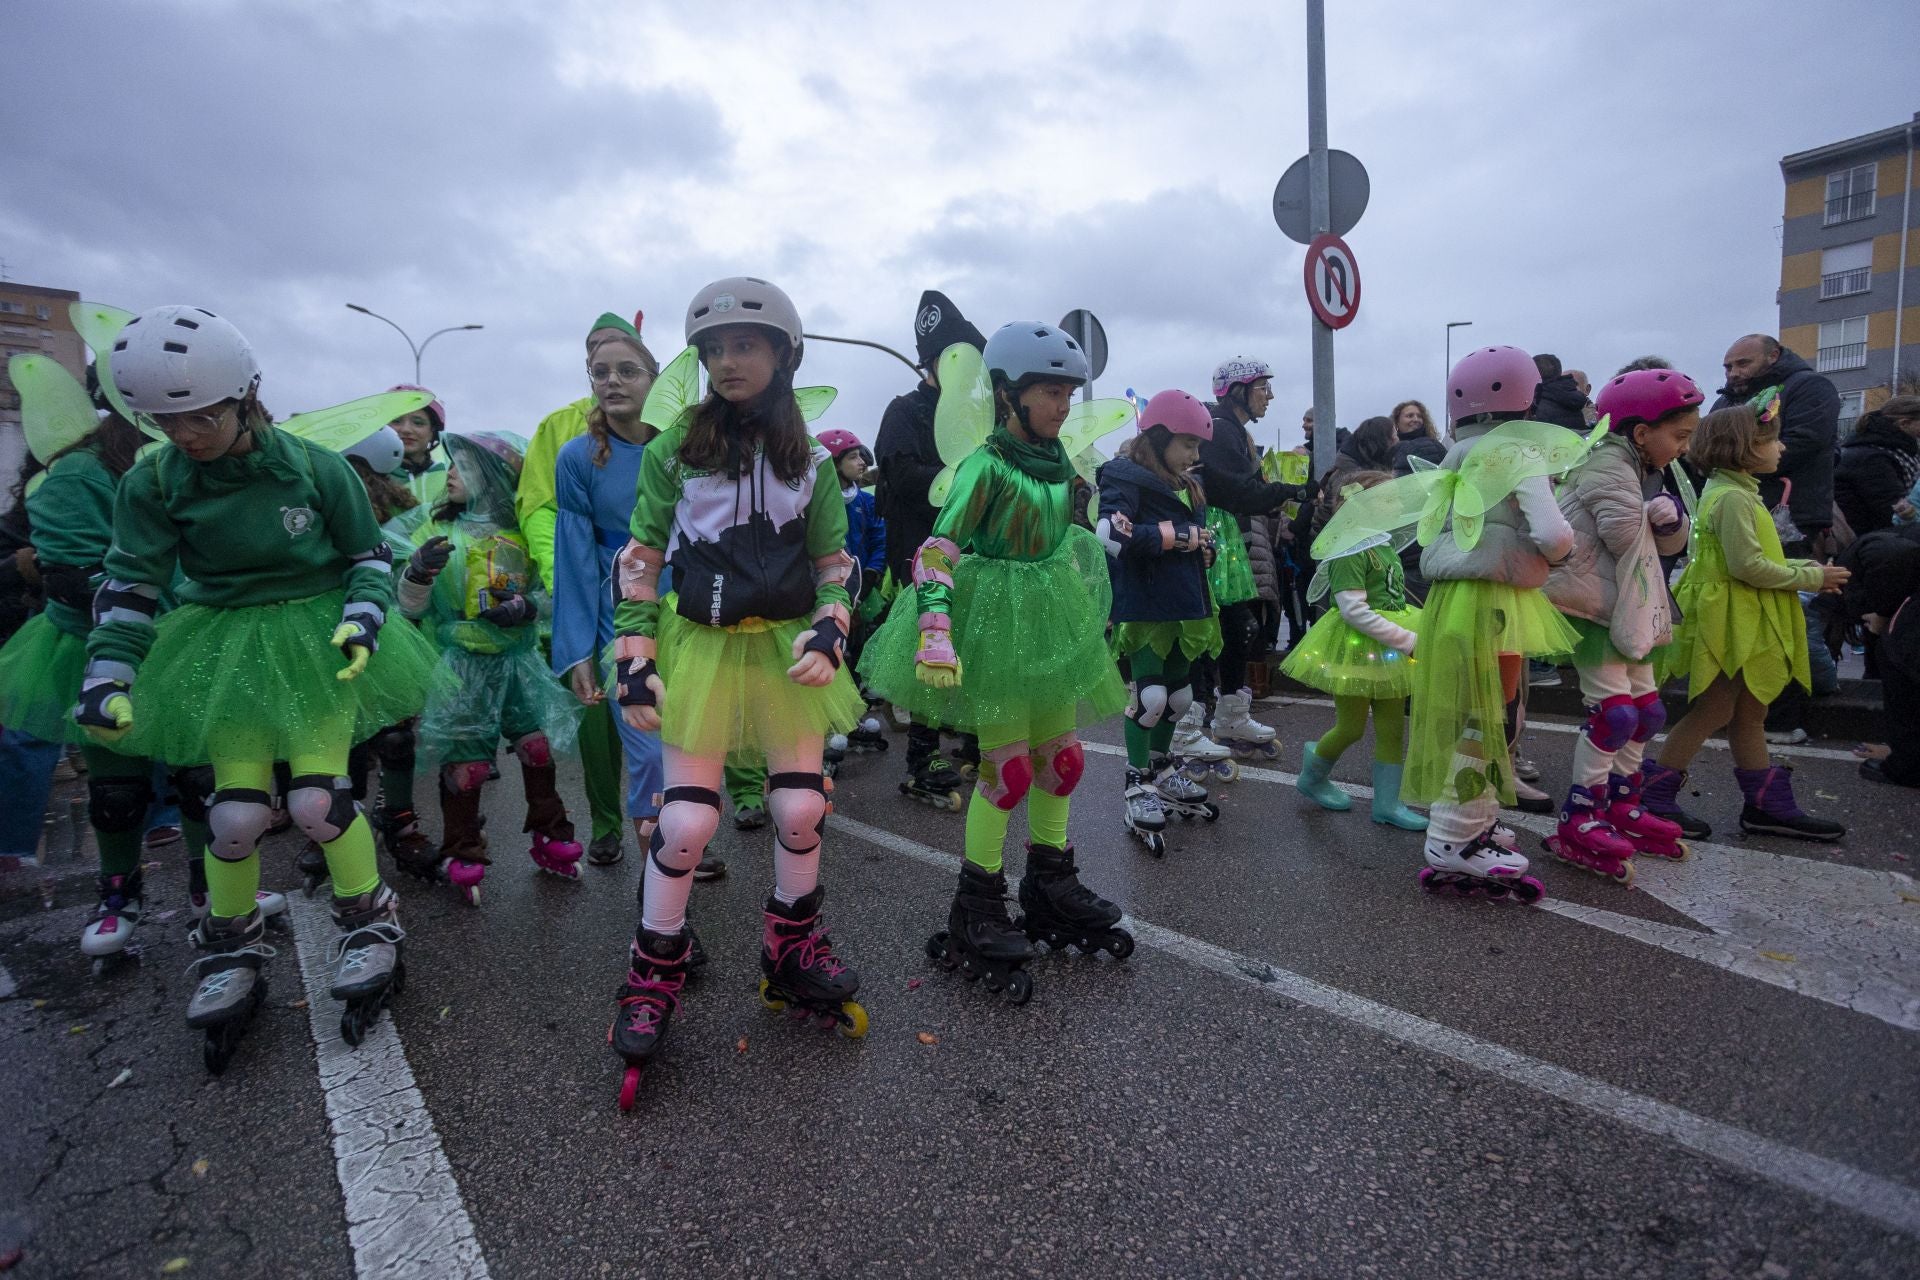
x,y
953,801
1624,876
853,1020
1156,844
472,894
768,999
1529,890
629,1088
1210,811
218,1049
1230,771
994,982
99,967
1019,987
352,1027
1120,945
1686,851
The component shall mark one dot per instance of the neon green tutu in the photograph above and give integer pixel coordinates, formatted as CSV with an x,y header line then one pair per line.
x,y
258,683
727,688
1195,636
1334,658
1595,646
1728,627
1231,573
1464,628
491,696
40,672
1029,633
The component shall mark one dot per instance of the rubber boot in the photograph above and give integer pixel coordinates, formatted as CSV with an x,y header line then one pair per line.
x,y
1387,809
461,836
1771,810
1313,783
1660,793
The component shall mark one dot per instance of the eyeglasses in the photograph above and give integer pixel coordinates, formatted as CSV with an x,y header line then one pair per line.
x,y
628,371
196,426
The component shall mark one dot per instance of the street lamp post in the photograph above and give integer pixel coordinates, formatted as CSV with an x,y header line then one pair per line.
x,y
1451,326
417,350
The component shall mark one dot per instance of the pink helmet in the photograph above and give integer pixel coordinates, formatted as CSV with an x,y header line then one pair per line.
x,y
838,441
1179,413
1238,372
437,410
1491,380
1646,395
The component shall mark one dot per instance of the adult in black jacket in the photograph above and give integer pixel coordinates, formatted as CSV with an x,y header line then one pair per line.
x,y
1559,399
1878,465
1810,408
1886,577
909,462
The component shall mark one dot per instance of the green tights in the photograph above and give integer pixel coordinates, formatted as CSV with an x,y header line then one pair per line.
x,y
987,822
1174,671
1350,721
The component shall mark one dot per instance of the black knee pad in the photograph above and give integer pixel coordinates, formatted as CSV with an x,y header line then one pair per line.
x,y
394,746
194,789
118,804
322,805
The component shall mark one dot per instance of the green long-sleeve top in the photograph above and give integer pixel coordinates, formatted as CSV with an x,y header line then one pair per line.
x,y
285,521
1010,500
740,545
1734,528
71,513
536,504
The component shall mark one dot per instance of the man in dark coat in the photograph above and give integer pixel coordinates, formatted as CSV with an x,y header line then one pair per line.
x,y
1560,398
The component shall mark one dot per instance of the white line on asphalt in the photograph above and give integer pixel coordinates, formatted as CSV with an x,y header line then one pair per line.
x,y
7,985
405,1217
1882,1199
1845,935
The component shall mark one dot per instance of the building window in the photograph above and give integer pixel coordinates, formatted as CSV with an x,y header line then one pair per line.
x,y
12,308
1843,344
1852,405
1850,194
43,311
1846,269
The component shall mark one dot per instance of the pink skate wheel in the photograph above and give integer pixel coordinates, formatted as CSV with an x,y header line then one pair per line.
x,y
629,1088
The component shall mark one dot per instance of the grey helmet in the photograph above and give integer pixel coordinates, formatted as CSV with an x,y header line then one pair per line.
x,y
1027,349
745,300
177,359
381,451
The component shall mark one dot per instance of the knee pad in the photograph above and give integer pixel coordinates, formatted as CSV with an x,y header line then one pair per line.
x,y
237,818
1178,700
194,788
534,750
464,776
1058,764
117,804
1148,703
322,806
797,803
1612,724
688,818
1652,716
393,746
1005,774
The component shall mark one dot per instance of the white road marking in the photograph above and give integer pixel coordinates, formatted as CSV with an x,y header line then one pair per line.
x,y
405,1217
1845,935
1882,1199
7,985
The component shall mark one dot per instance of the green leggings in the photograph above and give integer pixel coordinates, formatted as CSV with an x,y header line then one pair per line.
x,y
1174,671
1046,813
1350,721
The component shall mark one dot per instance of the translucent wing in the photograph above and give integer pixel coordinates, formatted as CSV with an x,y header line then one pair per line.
x,y
1684,483
54,409
673,392
98,325
1433,514
1513,452
963,418
345,425
1371,517
1093,420
814,401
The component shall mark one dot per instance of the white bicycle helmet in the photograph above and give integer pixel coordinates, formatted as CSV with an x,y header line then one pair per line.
x,y
177,359
745,300
381,451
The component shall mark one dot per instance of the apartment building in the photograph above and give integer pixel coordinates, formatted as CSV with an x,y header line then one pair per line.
x,y
1850,264
33,319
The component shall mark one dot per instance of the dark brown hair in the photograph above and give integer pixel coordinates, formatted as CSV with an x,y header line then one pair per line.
x,y
388,496
1149,450
720,434
115,441
1727,438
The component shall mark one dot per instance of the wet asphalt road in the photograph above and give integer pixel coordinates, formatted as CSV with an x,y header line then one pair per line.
x,y
1167,1115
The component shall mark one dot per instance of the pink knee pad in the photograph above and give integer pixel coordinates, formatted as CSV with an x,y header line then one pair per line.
x,y
1652,714
535,750
1612,724
797,803
466,775
688,819
1058,764
1005,774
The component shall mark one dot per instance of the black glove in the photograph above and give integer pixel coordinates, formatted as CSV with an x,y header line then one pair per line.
x,y
69,584
869,582
91,709
508,610
429,559
827,638
359,627
632,676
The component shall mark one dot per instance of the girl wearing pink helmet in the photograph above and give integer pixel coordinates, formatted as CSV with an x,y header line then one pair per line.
x,y
1613,591
1153,522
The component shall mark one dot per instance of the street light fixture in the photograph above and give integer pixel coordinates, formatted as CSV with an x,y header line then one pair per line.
x,y
417,350
1451,326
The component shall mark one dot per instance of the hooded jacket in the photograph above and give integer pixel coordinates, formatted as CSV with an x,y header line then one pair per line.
x,y
909,462
1152,582
1878,465
1810,420
1231,475
1559,401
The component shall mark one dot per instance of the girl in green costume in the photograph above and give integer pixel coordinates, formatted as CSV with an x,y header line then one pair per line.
x,y
287,579
1741,637
1003,636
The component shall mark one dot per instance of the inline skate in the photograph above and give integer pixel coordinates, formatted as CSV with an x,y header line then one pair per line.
x,y
1585,839
1180,795
1235,728
868,736
800,972
1200,756
1055,908
368,968
981,940
108,938
657,970
1487,865
231,987
1649,833
1144,816
932,781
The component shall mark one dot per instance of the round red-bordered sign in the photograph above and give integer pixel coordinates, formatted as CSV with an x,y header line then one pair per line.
x,y
1333,281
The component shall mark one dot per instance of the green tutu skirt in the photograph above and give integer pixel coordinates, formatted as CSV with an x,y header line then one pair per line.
x,y
1464,628
1029,633
1196,637
1595,647
1231,574
258,683
1728,628
727,688
40,671
490,696
1334,658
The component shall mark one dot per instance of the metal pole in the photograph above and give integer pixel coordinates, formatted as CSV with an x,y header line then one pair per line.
x,y
862,342
1448,371
1086,345
452,328
1325,421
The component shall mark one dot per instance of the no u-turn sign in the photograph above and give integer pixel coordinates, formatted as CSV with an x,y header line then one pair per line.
x,y
1333,281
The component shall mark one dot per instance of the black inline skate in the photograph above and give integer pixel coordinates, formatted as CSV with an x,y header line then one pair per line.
x,y
981,940
799,971
1055,908
657,970
935,782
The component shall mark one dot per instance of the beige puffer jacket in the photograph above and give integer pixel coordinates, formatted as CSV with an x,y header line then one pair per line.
x,y
1605,500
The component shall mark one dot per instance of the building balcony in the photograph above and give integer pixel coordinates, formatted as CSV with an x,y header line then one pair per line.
x,y
1849,208
1842,284
1848,355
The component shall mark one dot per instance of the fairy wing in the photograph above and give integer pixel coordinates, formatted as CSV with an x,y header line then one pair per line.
x,y
98,325
54,409
814,401
1094,420
345,425
963,417
1371,517
673,392
1505,457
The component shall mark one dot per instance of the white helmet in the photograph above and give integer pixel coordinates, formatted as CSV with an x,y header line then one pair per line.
x,y
745,300
178,359
381,451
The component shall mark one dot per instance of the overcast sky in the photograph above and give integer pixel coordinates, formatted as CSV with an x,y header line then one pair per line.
x,y
1600,180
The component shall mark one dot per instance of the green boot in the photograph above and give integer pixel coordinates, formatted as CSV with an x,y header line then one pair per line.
x,y
1386,800
1313,782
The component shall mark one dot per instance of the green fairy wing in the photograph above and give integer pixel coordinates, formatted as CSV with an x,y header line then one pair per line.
x,y
98,325
674,392
963,417
1093,420
814,401
1372,517
54,409
1502,460
345,425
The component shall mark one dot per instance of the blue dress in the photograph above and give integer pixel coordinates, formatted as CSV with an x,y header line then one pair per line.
x,y
595,509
